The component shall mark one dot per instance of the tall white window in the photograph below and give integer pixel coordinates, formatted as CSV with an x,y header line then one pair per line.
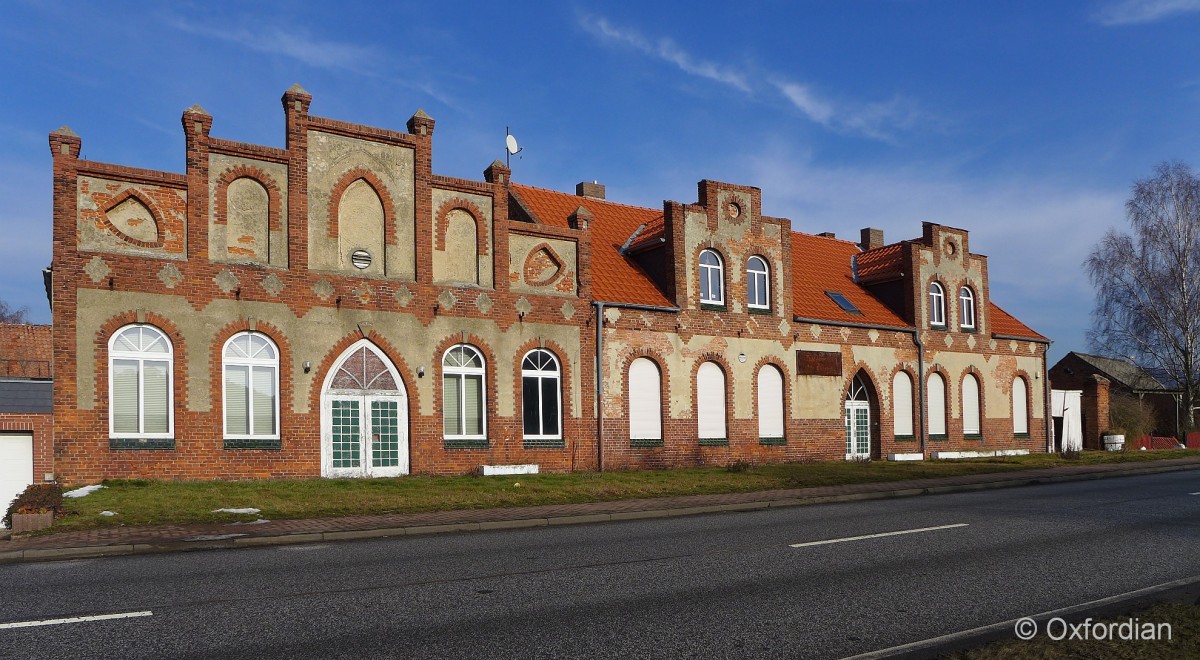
x,y
251,393
541,396
710,402
140,360
902,414
770,404
463,380
758,292
712,278
937,304
937,405
1020,406
970,405
645,401
966,308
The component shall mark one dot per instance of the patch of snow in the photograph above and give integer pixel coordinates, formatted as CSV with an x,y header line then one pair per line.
x,y
247,510
252,522
108,513
81,492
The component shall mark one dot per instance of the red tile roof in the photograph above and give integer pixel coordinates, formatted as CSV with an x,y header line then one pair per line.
x,y
881,263
26,351
1003,323
615,278
822,264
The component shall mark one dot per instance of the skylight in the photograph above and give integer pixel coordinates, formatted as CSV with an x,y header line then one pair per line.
x,y
844,303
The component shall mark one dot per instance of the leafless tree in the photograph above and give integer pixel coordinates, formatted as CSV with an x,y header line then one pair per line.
x,y
9,314
1148,281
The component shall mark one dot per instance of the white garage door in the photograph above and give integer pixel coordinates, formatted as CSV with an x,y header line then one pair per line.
x,y
16,466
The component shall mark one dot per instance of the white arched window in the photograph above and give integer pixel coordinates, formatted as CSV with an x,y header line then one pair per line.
x,y
463,405
937,304
710,402
758,288
1020,407
645,401
141,400
936,403
970,405
251,387
966,308
770,405
902,413
541,396
712,278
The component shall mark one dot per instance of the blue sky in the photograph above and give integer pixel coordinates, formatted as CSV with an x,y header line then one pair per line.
x,y
1025,123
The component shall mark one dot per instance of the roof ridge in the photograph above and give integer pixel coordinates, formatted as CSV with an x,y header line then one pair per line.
x,y
824,238
593,199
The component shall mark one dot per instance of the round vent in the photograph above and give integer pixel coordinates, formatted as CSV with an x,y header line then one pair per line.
x,y
360,258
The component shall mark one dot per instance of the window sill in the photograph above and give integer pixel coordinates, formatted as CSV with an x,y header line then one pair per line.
x,y
253,443
465,443
545,443
936,326
971,330
773,442
905,438
645,443
714,442
141,443
939,436
972,436
713,307
1021,435
763,311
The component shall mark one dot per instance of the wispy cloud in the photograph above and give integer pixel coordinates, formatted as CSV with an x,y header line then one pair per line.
x,y
877,120
1132,12
295,44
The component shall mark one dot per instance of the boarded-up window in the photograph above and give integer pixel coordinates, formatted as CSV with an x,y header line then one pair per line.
x,y
970,405
360,229
770,403
1020,406
902,414
645,400
937,405
710,402
246,231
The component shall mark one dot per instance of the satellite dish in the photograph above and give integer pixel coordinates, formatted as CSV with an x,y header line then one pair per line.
x,y
511,142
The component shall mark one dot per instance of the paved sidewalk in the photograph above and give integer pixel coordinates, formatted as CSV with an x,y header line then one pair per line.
x,y
171,538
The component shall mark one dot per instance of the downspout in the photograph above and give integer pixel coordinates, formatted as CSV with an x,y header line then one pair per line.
x,y
599,385
1047,419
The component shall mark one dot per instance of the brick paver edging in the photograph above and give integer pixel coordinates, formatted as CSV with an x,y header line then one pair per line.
x,y
174,538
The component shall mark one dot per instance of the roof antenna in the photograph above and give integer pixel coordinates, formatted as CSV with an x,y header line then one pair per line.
x,y
511,148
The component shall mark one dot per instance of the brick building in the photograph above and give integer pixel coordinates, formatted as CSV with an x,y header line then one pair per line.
x,y
335,308
26,404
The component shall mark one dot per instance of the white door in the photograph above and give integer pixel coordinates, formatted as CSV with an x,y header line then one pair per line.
x,y
364,416
16,467
858,430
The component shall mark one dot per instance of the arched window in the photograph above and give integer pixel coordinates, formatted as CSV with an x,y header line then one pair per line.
x,y
645,402
770,405
141,399
937,406
251,393
937,304
970,405
858,420
712,278
966,308
541,396
710,402
463,406
902,413
758,291
1020,407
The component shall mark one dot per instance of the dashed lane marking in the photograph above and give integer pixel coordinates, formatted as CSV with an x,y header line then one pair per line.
x,y
876,536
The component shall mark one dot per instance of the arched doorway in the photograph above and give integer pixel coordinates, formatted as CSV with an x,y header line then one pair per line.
x,y
364,416
858,419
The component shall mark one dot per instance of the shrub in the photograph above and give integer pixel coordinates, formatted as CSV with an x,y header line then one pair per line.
x,y
740,465
38,498
1130,416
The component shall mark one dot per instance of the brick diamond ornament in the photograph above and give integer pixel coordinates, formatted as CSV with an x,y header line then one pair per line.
x,y
273,285
96,269
226,281
170,276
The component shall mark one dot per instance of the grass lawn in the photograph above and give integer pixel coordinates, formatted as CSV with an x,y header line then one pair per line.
x,y
1184,643
143,502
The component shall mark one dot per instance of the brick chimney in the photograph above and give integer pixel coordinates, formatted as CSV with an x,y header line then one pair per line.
x,y
593,189
871,238
827,234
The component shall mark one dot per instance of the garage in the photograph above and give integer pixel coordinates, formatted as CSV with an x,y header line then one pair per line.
x,y
16,465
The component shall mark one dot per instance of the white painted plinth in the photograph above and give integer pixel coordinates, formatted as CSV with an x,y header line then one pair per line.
x,y
494,470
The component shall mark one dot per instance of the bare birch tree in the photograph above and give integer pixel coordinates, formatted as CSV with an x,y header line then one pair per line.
x,y
9,314
1148,281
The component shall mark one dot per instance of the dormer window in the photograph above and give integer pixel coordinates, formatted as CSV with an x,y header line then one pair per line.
x,y
712,279
937,304
966,308
758,293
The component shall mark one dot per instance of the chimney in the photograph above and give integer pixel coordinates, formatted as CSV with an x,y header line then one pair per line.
x,y
593,189
871,238
827,234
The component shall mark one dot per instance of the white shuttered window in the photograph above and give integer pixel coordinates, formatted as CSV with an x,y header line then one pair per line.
x,y
902,417
1020,406
463,403
770,403
970,405
937,404
645,400
710,402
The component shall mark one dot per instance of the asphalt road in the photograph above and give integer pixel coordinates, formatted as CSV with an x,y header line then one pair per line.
x,y
724,585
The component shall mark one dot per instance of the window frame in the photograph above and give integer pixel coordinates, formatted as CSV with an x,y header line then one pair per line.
x,y
941,402
977,420
250,363
710,370
707,272
966,308
463,373
752,277
937,304
141,356
636,404
902,376
540,375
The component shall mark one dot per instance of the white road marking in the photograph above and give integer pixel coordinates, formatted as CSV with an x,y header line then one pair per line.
x,y
876,536
75,619
1193,493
